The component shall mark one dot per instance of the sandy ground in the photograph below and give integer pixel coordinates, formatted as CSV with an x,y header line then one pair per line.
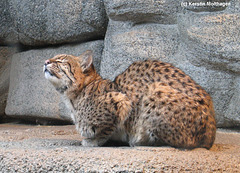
x,y
58,149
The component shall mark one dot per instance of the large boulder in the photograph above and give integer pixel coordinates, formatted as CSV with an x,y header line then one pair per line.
x,y
31,96
213,39
5,62
53,22
126,43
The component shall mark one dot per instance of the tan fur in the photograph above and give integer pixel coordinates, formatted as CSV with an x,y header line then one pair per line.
x,y
151,103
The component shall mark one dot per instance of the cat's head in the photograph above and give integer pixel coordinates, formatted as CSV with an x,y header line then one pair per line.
x,y
70,72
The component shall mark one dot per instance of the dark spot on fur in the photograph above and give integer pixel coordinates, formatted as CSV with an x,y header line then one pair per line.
x,y
201,102
146,65
195,108
182,75
159,93
152,99
116,106
173,75
176,112
166,76
205,110
170,83
166,70
162,63
93,129
156,65
119,80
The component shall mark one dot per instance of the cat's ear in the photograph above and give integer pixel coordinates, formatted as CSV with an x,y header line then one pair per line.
x,y
86,60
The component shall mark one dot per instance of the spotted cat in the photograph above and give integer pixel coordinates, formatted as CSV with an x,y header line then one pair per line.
x,y
152,103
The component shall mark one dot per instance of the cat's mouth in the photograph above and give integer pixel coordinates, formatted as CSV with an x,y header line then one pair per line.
x,y
48,73
45,70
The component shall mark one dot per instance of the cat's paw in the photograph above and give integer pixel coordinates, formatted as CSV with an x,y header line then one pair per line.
x,y
93,142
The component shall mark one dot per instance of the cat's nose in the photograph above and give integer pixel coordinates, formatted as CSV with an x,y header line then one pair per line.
x,y
47,62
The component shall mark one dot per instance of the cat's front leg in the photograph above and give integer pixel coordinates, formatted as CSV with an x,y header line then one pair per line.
x,y
96,135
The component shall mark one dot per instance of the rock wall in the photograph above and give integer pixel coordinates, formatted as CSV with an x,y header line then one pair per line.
x,y
199,36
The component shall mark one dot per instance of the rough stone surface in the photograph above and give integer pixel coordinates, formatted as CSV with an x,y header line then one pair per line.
x,y
58,149
126,43
234,6
8,34
213,39
140,11
30,94
5,62
54,22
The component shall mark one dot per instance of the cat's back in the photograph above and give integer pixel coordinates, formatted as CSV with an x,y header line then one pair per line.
x,y
137,78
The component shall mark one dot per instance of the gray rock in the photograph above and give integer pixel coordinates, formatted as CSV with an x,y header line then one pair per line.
x,y
234,6
157,11
8,34
232,115
213,39
31,96
59,21
126,43
5,62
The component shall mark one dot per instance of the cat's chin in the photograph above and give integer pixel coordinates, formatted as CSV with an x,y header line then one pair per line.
x,y
53,79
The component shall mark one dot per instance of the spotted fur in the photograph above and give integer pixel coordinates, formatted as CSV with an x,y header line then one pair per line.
x,y
151,103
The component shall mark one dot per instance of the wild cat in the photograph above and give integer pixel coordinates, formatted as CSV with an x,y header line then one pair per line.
x,y
152,103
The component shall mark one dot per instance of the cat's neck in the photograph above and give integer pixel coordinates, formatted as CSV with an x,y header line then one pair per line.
x,y
97,86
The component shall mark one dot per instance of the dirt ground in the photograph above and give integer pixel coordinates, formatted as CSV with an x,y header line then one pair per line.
x,y
25,148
